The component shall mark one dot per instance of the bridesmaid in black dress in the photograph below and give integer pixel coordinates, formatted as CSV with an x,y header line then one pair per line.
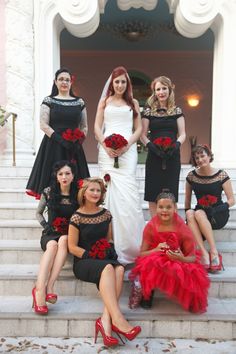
x,y
164,120
60,111
211,212
95,260
57,203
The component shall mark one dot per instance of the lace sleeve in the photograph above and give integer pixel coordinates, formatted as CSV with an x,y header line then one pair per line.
x,y
40,209
74,220
146,112
44,120
84,122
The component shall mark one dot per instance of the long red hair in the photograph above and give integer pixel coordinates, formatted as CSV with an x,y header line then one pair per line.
x,y
128,94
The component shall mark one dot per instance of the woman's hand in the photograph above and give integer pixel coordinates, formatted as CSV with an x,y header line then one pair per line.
x,y
162,247
175,255
122,150
110,152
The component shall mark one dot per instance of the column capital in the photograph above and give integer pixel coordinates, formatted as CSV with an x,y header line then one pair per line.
x,y
194,17
80,17
125,5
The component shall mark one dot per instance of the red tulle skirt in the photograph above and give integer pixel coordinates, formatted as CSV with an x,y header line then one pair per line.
x,y
187,283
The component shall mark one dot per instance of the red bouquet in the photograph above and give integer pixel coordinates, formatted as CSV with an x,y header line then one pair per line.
x,y
165,144
115,141
207,200
99,249
61,225
73,135
172,241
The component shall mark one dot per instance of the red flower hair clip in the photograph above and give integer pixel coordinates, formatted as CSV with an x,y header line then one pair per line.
x,y
80,183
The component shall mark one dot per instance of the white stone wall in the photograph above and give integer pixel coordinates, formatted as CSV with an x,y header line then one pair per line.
x,y
20,71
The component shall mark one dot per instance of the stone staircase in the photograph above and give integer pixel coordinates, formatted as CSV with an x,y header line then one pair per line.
x,y
79,303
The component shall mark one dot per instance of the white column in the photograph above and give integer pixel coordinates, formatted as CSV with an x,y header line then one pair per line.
x,y
224,87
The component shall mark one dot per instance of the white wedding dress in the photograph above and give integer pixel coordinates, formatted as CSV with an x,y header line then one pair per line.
x,y
122,196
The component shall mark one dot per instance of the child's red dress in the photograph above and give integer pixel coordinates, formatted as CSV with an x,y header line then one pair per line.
x,y
187,283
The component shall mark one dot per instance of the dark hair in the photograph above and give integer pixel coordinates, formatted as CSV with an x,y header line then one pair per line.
x,y
54,91
55,191
166,194
198,149
128,94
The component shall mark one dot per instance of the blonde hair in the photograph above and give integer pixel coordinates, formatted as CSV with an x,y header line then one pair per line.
x,y
153,102
86,183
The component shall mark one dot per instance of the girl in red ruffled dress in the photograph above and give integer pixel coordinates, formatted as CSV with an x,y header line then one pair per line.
x,y
169,262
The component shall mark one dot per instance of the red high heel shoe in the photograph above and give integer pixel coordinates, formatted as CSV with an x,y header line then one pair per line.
x,y
52,298
216,264
42,310
107,340
129,335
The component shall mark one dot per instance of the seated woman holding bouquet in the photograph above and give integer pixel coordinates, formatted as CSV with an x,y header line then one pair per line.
x,y
95,259
59,200
211,212
168,261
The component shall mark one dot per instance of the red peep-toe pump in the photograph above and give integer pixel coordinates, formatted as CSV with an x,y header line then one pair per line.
x,y
107,340
216,264
52,298
128,335
42,310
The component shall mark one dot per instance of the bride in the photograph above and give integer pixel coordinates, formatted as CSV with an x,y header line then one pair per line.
x,y
118,113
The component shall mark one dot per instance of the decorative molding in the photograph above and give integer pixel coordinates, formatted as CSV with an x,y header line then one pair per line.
x,y
146,4
80,17
194,17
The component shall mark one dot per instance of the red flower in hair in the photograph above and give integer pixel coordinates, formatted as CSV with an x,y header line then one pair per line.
x,y
80,183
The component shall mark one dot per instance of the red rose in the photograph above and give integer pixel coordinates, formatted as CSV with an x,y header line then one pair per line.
x,y
80,183
207,200
107,177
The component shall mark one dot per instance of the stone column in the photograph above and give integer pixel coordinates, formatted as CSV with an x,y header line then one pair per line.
x,y
20,74
224,86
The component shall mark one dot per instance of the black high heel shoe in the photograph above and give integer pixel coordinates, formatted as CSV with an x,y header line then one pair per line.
x,y
109,341
147,304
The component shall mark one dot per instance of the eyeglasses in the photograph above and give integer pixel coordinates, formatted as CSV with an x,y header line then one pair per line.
x,y
61,79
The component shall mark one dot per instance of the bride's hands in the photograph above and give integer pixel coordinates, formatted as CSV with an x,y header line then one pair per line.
x,y
110,152
121,151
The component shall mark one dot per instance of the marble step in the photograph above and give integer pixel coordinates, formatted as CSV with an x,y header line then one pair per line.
x,y
12,276
29,252
21,210
75,317
29,229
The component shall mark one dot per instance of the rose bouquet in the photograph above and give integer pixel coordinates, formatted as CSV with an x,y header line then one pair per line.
x,y
166,145
207,200
74,135
115,141
61,225
102,249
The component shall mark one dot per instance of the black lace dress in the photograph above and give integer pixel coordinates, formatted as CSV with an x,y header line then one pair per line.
x,y
157,178
92,227
210,185
58,115
64,208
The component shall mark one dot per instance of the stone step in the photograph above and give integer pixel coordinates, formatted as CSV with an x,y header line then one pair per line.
x,y
29,252
75,317
12,277
21,210
30,229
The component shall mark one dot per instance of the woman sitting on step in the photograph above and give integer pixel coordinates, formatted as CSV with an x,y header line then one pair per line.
x,y
95,259
59,200
210,213
168,261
